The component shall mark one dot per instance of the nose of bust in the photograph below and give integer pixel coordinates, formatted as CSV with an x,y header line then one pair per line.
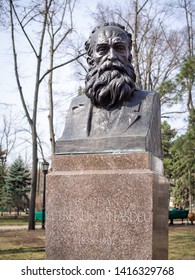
x,y
112,55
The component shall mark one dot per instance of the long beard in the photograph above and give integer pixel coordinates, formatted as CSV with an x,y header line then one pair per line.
x,y
110,85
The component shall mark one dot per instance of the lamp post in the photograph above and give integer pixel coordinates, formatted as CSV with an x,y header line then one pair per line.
x,y
3,158
45,167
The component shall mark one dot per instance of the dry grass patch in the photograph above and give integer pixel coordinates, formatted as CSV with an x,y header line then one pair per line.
x,y
13,220
22,245
182,242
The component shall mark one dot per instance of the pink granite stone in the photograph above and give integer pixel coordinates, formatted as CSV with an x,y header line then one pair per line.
x,y
107,207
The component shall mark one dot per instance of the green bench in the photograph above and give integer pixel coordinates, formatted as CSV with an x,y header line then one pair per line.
x,y
178,214
3,209
38,216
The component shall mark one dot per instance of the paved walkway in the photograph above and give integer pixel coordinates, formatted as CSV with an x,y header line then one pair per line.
x,y
3,228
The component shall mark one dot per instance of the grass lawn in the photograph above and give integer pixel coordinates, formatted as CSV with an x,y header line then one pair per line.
x,y
30,245
8,220
182,242
22,245
12,220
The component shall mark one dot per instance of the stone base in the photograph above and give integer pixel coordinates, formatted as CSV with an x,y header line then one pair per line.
x,y
102,206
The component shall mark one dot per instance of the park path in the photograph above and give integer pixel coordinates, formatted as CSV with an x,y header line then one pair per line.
x,y
4,228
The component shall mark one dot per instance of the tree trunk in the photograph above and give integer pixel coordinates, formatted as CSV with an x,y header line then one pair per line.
x,y
31,224
188,14
135,47
50,92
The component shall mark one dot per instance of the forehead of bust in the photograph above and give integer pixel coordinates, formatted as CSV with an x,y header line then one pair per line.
x,y
108,32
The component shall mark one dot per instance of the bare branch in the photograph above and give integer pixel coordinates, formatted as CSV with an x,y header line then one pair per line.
x,y
171,113
22,27
39,60
60,65
16,67
29,14
124,20
142,7
40,147
71,12
62,19
62,39
82,65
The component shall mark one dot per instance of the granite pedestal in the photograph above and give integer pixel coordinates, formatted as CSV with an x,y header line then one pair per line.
x,y
107,206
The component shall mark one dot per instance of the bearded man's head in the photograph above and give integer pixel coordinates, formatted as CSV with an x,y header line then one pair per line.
x,y
111,77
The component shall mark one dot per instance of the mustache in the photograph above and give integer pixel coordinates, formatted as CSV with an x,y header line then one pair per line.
x,y
110,66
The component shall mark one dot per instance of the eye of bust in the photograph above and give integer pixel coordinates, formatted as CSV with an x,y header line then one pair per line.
x,y
120,47
102,49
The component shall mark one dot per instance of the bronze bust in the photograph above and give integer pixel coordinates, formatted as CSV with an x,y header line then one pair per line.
x,y
113,116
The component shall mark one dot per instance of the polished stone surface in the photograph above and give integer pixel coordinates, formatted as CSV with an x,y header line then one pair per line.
x,y
135,160
107,207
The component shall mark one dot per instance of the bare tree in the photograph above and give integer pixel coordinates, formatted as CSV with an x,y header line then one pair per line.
x,y
44,16
182,14
32,120
58,29
8,132
188,8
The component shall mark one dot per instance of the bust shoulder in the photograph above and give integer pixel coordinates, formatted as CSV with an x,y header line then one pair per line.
x,y
138,96
80,100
